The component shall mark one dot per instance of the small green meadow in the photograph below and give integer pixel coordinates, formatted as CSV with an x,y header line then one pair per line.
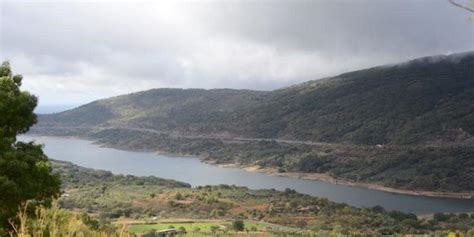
x,y
204,226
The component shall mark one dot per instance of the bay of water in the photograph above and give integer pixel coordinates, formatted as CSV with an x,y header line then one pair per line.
x,y
194,172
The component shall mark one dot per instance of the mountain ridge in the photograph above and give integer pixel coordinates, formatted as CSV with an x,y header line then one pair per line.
x,y
408,127
201,111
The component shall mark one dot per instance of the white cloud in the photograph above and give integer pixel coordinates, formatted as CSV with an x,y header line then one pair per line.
x,y
75,52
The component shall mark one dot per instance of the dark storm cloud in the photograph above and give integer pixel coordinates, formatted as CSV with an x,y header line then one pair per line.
x,y
403,28
79,51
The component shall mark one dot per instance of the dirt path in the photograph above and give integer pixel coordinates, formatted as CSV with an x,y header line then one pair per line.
x,y
226,138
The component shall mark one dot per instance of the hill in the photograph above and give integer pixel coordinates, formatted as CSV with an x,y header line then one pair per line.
x,y
131,199
405,103
421,113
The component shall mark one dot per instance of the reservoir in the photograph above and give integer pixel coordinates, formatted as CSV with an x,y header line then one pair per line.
x,y
194,172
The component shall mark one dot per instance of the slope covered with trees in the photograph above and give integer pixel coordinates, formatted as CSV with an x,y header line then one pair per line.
x,y
404,103
407,125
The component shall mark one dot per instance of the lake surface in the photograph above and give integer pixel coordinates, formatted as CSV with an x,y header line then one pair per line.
x,y
194,172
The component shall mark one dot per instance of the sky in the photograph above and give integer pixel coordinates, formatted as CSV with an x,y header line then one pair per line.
x,y
74,52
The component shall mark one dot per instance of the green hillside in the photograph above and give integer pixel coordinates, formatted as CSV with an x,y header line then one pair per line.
x,y
421,111
138,199
403,104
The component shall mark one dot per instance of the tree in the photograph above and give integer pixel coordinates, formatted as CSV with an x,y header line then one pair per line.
x,y
301,224
440,217
25,173
238,225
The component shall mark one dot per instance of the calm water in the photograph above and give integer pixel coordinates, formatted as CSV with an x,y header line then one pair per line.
x,y
191,170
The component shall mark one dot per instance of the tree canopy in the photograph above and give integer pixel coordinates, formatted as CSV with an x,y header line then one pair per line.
x,y
25,173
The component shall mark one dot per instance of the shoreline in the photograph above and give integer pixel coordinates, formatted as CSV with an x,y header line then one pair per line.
x,y
327,178
300,175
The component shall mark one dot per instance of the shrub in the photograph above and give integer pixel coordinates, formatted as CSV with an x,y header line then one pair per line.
x,y
238,225
440,217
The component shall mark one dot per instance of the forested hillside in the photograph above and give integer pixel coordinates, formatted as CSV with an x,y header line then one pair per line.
x,y
406,126
406,103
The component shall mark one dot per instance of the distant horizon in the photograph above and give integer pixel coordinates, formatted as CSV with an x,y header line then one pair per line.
x,y
50,109
56,108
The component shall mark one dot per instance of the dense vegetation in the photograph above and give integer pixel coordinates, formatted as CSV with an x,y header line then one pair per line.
x,y
408,103
412,167
420,112
25,173
142,198
29,183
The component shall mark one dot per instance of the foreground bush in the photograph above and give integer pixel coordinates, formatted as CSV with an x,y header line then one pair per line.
x,y
58,222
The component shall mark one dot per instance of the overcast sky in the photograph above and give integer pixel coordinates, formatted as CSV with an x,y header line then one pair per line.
x,y
75,52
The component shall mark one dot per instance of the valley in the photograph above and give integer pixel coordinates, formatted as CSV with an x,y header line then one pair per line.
x,y
168,118
405,128
193,171
141,204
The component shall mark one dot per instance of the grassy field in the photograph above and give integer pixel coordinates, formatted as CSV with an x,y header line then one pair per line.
x,y
198,226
